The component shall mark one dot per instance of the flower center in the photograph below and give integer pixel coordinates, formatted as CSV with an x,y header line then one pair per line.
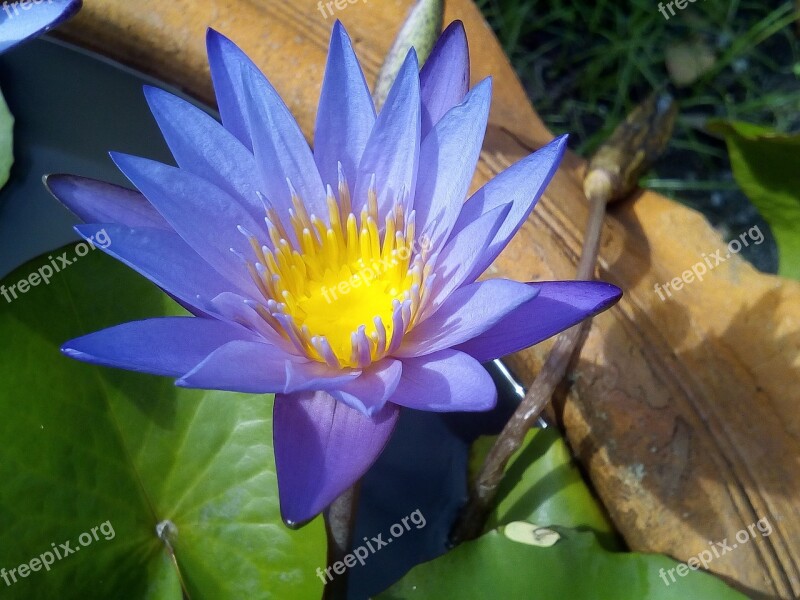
x,y
344,293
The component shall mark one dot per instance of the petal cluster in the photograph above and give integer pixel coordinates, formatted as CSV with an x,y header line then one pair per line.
x,y
344,278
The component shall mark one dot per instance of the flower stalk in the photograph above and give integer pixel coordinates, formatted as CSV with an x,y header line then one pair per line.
x,y
612,175
339,524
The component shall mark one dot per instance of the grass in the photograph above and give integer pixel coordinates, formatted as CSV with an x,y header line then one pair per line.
x,y
586,63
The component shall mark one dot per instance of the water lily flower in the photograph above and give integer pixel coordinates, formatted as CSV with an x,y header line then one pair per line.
x,y
20,21
343,279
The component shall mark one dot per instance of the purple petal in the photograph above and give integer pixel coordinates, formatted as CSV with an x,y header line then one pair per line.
x,y
558,306
446,381
163,258
469,312
392,152
280,149
204,147
168,346
309,376
239,309
458,257
100,202
202,214
449,156
250,367
444,80
227,64
322,447
521,184
24,21
258,367
373,388
346,113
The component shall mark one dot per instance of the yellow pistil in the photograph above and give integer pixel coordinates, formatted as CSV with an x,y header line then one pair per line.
x,y
343,292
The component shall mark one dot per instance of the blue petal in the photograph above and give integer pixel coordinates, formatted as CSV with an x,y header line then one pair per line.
x,y
458,257
257,367
238,309
521,184
448,157
19,23
444,80
280,149
204,147
346,113
558,306
240,366
165,259
306,376
445,381
467,313
227,63
99,202
168,346
373,387
322,447
392,152
203,215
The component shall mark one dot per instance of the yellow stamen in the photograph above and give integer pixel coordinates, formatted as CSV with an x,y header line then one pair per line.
x,y
343,293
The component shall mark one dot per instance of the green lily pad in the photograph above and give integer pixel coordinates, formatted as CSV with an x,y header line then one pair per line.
x,y
6,141
575,567
548,537
87,447
542,485
766,165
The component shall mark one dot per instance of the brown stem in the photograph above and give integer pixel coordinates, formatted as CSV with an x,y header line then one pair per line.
x,y
510,439
612,175
339,523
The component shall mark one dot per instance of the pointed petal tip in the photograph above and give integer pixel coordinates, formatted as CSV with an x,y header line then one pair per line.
x,y
56,182
614,294
215,37
68,350
454,33
295,524
339,29
52,181
413,56
561,143
72,352
154,96
456,26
